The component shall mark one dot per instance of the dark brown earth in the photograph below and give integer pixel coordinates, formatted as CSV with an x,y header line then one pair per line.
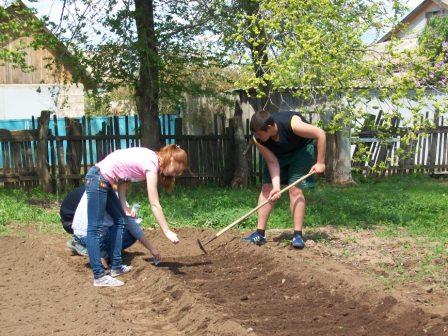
x,y
236,289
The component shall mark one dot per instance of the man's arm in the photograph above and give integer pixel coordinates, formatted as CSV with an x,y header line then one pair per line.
x,y
309,131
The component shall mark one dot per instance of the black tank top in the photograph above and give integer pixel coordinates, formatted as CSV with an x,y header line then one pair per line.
x,y
288,141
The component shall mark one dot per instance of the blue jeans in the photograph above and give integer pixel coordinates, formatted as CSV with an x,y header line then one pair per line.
x,y
100,198
128,240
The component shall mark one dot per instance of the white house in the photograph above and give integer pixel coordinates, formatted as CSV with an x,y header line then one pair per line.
x,y
412,25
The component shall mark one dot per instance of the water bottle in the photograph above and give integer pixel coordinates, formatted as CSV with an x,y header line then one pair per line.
x,y
135,208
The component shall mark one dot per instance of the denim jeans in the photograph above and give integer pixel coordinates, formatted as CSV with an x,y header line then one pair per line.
x,y
101,198
128,240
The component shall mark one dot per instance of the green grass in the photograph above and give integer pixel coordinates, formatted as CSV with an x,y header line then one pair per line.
x,y
417,203
24,207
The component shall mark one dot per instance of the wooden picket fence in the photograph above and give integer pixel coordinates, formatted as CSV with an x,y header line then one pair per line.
x,y
427,153
41,156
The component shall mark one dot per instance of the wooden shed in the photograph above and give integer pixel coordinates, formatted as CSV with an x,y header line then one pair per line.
x,y
50,84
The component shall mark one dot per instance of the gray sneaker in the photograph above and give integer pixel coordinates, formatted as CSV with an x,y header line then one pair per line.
x,y
77,248
122,270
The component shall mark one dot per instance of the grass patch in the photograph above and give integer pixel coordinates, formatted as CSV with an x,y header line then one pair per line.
x,y
19,207
416,203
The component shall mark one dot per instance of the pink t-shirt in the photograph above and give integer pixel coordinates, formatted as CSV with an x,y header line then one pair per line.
x,y
129,164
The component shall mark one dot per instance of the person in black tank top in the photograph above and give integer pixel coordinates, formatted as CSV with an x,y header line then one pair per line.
x,y
286,142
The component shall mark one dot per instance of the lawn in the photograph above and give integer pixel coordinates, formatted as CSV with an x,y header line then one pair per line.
x,y
417,203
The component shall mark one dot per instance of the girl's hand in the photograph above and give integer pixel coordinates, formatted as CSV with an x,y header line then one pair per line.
x,y
129,212
171,236
155,253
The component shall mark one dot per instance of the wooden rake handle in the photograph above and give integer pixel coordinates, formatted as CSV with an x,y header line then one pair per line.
x,y
239,220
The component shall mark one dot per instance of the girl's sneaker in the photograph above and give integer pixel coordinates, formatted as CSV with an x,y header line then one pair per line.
x,y
107,281
123,269
77,248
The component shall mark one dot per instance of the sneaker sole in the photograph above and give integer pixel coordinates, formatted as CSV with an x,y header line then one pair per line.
x,y
251,242
71,247
74,250
118,274
106,285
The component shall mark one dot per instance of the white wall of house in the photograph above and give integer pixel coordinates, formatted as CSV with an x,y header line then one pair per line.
x,y
22,101
415,28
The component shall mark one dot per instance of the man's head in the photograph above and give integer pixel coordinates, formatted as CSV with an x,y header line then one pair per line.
x,y
262,125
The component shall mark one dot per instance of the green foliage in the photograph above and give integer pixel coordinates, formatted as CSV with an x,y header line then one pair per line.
x,y
105,39
315,46
18,23
433,36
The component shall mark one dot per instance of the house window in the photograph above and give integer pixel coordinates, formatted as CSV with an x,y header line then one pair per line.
x,y
429,15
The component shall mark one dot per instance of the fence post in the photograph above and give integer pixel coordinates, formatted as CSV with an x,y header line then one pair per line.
x,y
43,172
432,146
178,126
74,148
229,152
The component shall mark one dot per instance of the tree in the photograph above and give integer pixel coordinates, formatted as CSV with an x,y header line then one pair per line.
x,y
315,47
149,47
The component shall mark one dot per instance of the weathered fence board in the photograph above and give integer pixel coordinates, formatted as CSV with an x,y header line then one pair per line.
x,y
58,158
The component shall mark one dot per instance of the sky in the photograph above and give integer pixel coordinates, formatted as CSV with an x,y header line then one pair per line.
x,y
53,8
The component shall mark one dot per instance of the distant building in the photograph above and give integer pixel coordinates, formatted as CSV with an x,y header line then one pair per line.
x,y
26,94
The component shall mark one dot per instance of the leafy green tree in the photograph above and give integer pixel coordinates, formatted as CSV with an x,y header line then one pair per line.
x,y
316,50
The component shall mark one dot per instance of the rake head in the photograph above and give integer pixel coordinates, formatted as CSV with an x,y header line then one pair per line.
x,y
201,246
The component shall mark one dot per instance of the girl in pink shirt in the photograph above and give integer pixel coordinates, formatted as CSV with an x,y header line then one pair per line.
x,y
131,164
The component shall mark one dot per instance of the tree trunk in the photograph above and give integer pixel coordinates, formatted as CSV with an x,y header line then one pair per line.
x,y
241,173
147,86
338,158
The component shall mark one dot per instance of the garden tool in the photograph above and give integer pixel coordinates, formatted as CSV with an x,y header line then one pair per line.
x,y
239,220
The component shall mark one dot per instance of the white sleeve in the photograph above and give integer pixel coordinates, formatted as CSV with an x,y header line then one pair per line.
x,y
80,220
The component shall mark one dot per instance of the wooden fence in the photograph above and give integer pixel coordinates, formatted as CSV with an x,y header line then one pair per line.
x,y
426,153
42,156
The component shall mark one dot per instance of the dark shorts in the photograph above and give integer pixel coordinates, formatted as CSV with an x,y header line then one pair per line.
x,y
293,166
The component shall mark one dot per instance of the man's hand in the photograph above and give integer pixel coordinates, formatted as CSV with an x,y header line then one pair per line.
x,y
318,168
274,194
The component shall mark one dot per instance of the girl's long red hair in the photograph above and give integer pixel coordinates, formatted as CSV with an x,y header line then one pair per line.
x,y
168,154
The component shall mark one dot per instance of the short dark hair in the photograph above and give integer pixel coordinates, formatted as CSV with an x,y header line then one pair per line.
x,y
260,121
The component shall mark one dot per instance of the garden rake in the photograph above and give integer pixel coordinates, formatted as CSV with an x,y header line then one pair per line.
x,y
239,220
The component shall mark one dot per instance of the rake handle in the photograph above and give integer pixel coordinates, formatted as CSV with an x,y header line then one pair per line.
x,y
239,220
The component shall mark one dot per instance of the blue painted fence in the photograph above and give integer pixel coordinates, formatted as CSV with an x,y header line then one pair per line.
x,y
96,125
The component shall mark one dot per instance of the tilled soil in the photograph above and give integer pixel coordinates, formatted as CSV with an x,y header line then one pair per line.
x,y
235,289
